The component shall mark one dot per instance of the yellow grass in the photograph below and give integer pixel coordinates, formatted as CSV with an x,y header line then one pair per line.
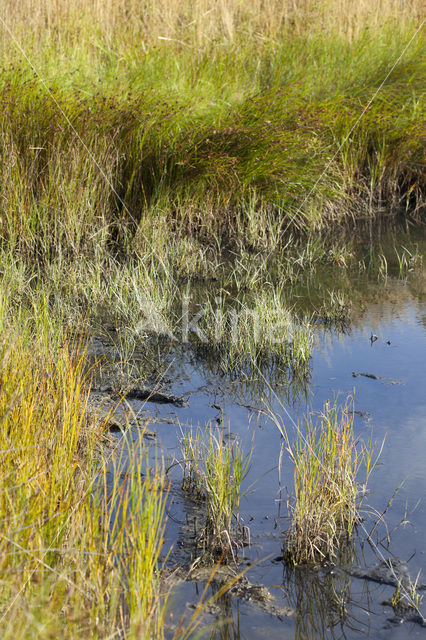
x,y
199,22
79,555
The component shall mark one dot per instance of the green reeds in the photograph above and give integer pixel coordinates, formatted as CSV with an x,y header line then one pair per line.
x,y
213,471
327,460
77,561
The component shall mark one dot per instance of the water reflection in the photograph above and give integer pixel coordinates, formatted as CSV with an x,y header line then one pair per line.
x,y
327,604
227,622
322,600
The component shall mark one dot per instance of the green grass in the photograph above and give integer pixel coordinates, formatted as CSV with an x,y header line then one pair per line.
x,y
77,560
213,471
327,460
234,145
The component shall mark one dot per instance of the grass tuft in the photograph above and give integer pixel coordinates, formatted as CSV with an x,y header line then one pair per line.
x,y
327,460
213,471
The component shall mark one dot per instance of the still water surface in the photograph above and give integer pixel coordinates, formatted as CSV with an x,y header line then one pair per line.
x,y
392,407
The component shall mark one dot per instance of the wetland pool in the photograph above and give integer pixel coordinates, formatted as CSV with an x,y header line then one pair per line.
x,y
386,337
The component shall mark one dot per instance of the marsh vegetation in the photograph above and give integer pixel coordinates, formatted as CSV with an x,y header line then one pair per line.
x,y
185,173
214,469
77,562
325,504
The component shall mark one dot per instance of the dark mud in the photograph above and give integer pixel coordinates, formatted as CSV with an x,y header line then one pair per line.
x,y
374,376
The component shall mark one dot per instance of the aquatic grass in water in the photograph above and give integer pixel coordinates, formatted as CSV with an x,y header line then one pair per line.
x,y
335,309
259,329
327,460
408,261
213,471
406,597
42,506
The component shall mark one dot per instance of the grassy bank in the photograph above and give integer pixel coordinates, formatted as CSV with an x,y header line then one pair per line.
x,y
75,562
231,125
144,144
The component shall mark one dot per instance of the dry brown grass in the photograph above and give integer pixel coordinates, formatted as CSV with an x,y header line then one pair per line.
x,y
202,22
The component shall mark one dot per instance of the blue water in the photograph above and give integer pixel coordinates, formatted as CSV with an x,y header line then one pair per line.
x,y
395,415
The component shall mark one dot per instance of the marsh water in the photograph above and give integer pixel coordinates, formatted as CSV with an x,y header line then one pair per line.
x,y
385,336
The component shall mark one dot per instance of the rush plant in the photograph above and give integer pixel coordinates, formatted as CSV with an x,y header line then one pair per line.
x,y
214,469
327,461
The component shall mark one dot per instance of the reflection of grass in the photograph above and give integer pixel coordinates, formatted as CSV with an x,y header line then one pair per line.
x,y
327,459
213,471
322,602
